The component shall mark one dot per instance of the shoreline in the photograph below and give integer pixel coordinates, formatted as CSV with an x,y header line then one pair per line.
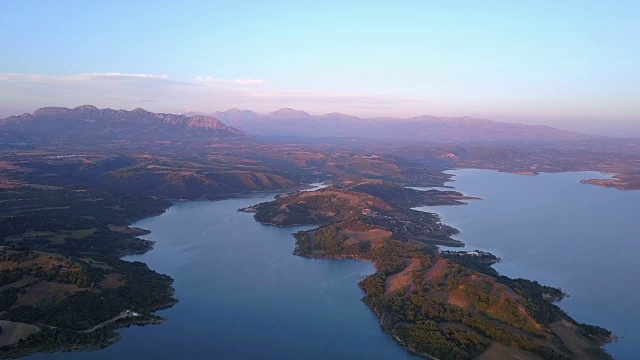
x,y
168,305
110,327
547,295
605,182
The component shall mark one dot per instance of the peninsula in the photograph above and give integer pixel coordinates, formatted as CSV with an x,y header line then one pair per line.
x,y
438,304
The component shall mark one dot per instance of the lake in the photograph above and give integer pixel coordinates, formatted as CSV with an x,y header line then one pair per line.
x,y
582,238
243,295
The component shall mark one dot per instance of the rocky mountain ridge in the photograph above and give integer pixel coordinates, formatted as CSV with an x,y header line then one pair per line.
x,y
138,124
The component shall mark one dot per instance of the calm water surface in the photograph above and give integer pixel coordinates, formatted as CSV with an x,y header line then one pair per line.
x,y
243,295
584,239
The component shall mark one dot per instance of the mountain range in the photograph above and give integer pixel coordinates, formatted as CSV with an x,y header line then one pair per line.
x,y
291,122
87,122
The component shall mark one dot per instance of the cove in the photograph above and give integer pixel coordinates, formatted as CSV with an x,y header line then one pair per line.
x,y
582,238
243,295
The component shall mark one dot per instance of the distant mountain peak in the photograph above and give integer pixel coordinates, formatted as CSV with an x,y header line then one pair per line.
x,y
341,116
289,113
86,108
48,110
210,122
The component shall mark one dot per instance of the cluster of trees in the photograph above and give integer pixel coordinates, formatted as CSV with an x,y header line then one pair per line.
x,y
304,245
535,295
80,274
172,181
429,324
144,290
406,197
62,211
106,244
8,276
17,253
70,210
327,205
481,263
358,225
487,295
596,333
391,257
329,241
50,339
295,215
426,322
428,337
8,297
542,310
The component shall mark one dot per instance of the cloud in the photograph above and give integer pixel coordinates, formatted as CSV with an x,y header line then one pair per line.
x,y
212,80
21,93
122,75
39,78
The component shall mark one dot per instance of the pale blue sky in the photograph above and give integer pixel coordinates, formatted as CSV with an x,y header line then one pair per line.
x,y
573,64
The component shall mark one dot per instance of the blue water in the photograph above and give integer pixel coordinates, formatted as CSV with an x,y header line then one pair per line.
x,y
243,295
582,238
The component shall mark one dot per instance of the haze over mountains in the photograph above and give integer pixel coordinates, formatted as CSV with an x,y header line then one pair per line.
x,y
291,122
87,121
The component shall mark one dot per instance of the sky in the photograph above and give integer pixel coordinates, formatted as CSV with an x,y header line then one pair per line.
x,y
569,64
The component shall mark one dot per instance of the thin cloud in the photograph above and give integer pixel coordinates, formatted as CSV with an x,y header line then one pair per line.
x,y
123,75
212,80
35,78
330,97
21,93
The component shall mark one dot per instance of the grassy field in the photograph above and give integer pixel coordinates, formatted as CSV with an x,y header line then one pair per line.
x,y
12,332
80,234
500,351
46,291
